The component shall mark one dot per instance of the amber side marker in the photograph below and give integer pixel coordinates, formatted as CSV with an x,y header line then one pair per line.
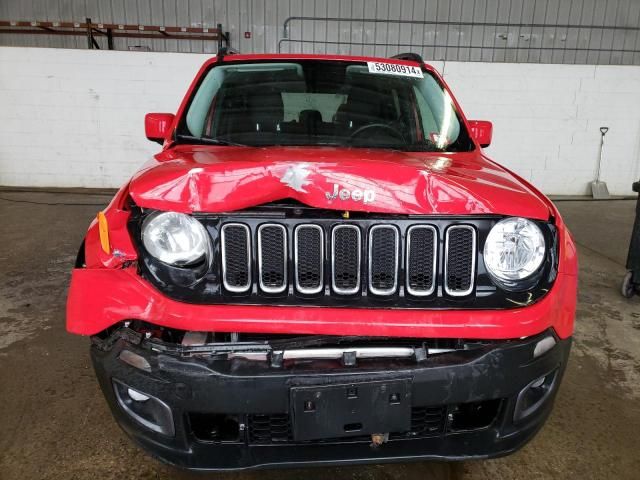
x,y
103,228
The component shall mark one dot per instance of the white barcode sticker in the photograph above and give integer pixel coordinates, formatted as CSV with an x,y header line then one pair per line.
x,y
394,69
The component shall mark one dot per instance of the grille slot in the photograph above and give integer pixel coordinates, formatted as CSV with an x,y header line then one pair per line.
x,y
236,257
346,244
272,258
383,259
265,429
427,420
309,259
460,260
422,259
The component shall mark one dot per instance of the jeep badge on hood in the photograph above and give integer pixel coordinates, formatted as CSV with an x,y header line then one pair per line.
x,y
367,196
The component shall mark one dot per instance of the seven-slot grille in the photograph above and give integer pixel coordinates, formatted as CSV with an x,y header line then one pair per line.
x,y
339,251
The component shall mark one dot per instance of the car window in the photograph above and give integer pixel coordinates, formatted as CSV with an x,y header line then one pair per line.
x,y
316,102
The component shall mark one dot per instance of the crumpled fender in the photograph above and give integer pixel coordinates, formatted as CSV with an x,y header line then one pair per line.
x,y
120,242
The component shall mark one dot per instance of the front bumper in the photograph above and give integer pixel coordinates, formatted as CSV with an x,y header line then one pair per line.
x,y
200,389
124,295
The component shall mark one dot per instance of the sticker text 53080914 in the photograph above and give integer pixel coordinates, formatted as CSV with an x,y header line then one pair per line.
x,y
394,69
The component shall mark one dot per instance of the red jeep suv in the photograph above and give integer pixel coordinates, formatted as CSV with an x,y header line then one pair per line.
x,y
322,266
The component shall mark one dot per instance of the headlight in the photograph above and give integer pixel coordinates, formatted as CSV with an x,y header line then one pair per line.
x,y
175,238
514,250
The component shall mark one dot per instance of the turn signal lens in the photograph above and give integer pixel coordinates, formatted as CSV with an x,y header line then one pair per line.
x,y
103,228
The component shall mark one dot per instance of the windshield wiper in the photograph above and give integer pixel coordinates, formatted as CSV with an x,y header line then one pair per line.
x,y
207,140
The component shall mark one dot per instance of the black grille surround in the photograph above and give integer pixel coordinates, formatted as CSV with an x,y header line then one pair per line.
x,y
457,280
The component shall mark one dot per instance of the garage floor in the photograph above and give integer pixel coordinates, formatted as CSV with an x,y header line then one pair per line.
x,y
55,423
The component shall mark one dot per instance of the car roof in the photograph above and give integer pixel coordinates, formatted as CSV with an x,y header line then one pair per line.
x,y
307,56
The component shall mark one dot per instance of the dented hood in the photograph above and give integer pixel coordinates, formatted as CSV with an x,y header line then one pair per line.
x,y
223,179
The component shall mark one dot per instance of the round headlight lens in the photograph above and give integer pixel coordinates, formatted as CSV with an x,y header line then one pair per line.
x,y
514,250
175,238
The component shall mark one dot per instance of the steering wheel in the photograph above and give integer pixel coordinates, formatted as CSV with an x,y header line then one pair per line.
x,y
380,126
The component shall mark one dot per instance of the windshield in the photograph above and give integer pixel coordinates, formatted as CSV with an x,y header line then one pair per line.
x,y
312,102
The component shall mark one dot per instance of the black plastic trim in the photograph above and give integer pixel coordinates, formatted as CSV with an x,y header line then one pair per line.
x,y
198,287
410,56
80,257
207,385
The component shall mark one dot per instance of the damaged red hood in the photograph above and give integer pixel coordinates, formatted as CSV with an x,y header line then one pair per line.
x,y
223,179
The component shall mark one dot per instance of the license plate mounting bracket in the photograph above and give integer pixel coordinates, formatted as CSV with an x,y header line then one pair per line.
x,y
350,409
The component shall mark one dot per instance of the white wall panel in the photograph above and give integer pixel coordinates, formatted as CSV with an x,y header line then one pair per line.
x,y
547,119
538,31
74,118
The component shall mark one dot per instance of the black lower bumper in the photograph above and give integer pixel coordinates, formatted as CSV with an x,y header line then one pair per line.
x,y
235,414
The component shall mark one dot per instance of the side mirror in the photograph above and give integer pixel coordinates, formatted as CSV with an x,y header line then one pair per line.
x,y
157,125
482,131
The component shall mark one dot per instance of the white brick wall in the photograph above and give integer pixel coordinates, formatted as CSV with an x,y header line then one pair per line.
x,y
74,118
547,117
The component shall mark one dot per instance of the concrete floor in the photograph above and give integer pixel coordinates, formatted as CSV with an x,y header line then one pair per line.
x,y
55,422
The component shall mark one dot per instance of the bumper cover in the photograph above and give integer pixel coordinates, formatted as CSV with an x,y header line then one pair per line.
x,y
124,295
244,388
